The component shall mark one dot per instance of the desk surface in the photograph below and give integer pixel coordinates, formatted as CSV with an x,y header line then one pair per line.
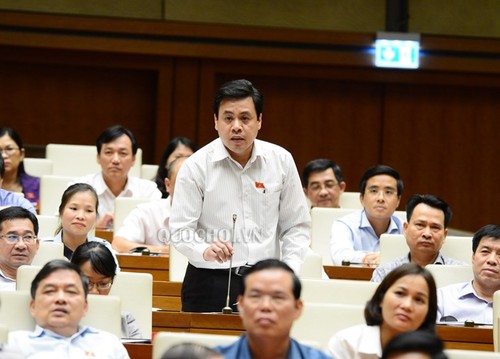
x,y
157,265
349,272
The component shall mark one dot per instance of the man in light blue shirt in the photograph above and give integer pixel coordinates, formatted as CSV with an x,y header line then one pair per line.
x,y
428,218
474,300
269,305
356,237
59,301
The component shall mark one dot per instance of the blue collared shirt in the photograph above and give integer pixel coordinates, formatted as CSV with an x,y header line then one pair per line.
x,y
462,302
241,350
352,236
86,343
8,198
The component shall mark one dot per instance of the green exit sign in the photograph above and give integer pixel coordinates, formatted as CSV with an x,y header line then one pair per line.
x,y
393,52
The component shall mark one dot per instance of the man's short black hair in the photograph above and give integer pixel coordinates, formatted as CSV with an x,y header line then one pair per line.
x,y
16,212
239,89
380,170
320,165
431,201
112,133
487,231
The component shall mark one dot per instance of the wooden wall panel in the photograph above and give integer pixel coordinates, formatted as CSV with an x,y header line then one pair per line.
x,y
443,140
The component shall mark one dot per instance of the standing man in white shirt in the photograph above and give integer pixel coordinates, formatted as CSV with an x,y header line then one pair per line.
x,y
236,184
116,150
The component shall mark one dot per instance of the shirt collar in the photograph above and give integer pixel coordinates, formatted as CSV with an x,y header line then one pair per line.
x,y
220,151
468,290
365,223
371,336
40,331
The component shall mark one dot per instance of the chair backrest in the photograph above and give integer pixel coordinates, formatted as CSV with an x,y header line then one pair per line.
x,y
470,354
51,189
337,291
48,251
25,275
123,206
4,334
37,166
47,225
104,312
80,160
312,266
496,321
321,227
350,200
149,171
177,265
326,319
394,245
450,274
164,340
136,293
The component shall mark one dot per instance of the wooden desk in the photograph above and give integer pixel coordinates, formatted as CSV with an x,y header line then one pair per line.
x,y
104,234
228,324
139,350
167,295
477,338
349,272
157,265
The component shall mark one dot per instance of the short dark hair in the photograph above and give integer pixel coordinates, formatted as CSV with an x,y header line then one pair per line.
x,y
15,212
431,201
112,133
238,89
380,170
190,351
17,139
100,258
70,192
487,231
2,167
418,341
162,170
373,311
272,263
55,265
320,165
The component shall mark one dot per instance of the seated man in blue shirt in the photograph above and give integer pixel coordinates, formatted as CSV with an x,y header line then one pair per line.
x,y
269,305
428,217
356,237
8,198
58,303
474,300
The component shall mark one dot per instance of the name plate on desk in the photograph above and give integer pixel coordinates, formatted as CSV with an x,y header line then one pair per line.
x,y
158,265
353,272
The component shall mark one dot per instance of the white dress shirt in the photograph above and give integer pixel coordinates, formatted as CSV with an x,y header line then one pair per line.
x,y
357,342
147,223
7,283
273,219
135,187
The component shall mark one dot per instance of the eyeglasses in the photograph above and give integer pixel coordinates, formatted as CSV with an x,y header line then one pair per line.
x,y
13,238
315,187
100,286
9,151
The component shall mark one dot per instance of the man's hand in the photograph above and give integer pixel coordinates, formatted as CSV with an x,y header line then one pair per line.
x,y
219,251
371,258
106,221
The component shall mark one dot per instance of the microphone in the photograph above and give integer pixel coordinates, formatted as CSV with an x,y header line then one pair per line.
x,y
448,318
227,309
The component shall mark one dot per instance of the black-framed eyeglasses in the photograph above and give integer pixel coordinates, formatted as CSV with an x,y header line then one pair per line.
x,y
13,238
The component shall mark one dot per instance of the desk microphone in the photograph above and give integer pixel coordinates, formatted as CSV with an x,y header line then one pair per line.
x,y
448,318
227,309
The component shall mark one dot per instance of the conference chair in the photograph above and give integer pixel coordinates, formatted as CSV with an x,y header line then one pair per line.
x,y
135,291
4,334
165,340
149,171
80,160
312,266
37,166
47,225
320,321
48,251
496,320
104,312
393,246
450,274
350,200
470,354
123,206
321,227
337,291
52,188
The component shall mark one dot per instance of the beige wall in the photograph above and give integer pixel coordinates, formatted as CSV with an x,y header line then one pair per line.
x,y
445,17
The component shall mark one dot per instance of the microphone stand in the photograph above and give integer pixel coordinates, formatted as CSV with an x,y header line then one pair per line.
x,y
227,309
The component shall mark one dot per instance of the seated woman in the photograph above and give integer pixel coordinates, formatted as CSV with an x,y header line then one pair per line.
x,y
404,301
97,264
177,147
411,344
16,179
78,216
